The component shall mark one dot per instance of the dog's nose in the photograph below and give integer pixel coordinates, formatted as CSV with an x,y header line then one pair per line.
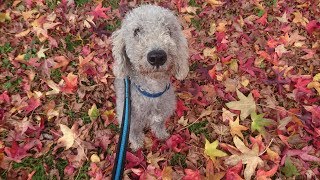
x,y
157,57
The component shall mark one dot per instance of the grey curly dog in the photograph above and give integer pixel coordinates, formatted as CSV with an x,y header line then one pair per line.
x,y
149,48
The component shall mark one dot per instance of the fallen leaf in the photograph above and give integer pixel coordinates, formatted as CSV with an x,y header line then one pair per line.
x,y
211,150
99,11
153,159
192,175
289,168
71,83
236,128
68,137
93,112
245,104
250,157
259,123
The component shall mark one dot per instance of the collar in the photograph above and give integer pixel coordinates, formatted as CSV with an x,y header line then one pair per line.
x,y
151,95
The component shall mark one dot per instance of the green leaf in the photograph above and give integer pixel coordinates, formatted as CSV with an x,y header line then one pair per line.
x,y
259,123
289,168
93,112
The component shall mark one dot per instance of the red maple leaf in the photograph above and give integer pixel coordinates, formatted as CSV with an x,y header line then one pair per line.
x,y
303,154
17,152
315,111
4,97
263,175
134,159
233,173
95,172
192,175
263,19
175,142
99,11
71,83
181,108
301,85
312,26
33,103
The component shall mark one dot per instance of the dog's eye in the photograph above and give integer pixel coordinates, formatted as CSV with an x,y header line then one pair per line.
x,y
136,31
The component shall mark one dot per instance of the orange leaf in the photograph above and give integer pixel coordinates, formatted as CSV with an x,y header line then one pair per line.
x,y
71,83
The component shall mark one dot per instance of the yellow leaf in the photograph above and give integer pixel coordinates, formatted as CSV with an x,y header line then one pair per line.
x,y
236,128
213,28
93,112
245,104
182,121
210,52
68,137
234,65
94,158
167,173
55,88
222,26
28,14
315,85
316,77
210,149
153,159
4,17
298,18
40,53
23,33
245,82
215,3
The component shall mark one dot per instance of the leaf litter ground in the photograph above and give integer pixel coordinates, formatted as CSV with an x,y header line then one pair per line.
x,y
249,107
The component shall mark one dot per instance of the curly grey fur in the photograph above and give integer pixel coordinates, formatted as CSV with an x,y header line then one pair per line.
x,y
156,28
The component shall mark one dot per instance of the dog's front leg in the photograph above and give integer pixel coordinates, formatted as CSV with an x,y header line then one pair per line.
x,y
158,128
136,136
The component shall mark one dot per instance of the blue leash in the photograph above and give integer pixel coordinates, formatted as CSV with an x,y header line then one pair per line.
x,y
118,167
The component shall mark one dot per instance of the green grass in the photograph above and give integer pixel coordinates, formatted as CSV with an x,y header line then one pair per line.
x,y
193,3
85,118
200,128
33,164
196,23
6,63
83,172
113,27
56,75
6,48
114,127
38,164
81,2
12,84
52,4
178,159
113,3
60,165
71,44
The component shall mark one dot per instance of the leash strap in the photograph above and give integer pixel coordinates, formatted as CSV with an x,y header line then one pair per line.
x,y
118,167
151,95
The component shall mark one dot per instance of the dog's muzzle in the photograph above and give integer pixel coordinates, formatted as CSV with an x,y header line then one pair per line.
x,y
157,57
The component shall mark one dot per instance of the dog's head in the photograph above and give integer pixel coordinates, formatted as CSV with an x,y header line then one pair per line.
x,y
150,41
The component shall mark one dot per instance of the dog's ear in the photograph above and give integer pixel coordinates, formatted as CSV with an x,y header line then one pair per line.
x,y
120,65
181,68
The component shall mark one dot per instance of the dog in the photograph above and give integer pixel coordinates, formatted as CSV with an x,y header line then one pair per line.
x,y
149,48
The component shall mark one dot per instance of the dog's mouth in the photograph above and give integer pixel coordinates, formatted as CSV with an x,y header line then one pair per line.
x,y
155,69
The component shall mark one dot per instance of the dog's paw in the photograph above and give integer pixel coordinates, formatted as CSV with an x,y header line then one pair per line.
x,y
135,146
162,134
